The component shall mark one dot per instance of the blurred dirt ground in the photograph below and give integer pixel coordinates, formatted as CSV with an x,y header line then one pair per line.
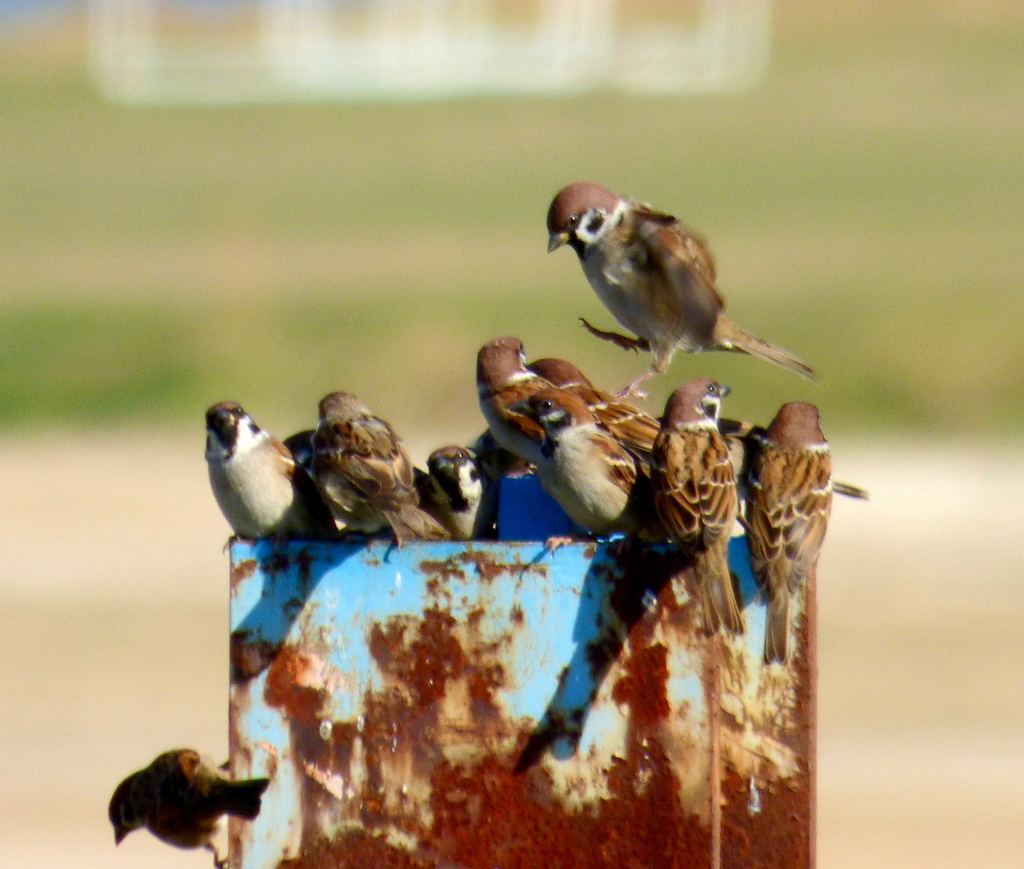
x,y
113,647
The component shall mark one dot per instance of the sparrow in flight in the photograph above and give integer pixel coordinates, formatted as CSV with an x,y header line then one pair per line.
x,y
655,275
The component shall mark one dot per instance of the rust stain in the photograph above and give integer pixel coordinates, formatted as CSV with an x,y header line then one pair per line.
x,y
422,654
644,686
241,571
488,565
291,687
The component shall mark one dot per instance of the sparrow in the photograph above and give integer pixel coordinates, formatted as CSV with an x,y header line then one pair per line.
x,y
365,474
630,426
695,495
457,494
789,500
502,380
181,798
584,468
655,275
259,487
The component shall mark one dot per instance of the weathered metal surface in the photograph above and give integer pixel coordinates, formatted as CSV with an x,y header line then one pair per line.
x,y
472,706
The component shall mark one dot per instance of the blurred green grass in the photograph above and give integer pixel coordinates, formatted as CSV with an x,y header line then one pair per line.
x,y
864,204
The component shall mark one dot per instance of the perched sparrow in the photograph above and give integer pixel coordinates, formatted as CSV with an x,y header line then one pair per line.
x,y
364,473
656,277
181,798
695,495
582,466
259,487
629,425
790,496
457,494
502,379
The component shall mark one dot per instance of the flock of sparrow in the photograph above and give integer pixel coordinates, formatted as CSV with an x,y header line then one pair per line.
x,y
685,478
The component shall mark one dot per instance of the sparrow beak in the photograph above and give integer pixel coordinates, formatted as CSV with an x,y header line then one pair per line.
x,y
556,240
723,390
119,834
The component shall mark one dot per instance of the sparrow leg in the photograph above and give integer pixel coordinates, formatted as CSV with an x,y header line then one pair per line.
x,y
631,391
623,341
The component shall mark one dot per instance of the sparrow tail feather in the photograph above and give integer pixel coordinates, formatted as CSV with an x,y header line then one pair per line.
x,y
242,798
776,628
717,595
731,337
849,490
411,523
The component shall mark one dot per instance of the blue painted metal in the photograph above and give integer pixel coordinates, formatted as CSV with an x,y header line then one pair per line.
x,y
387,691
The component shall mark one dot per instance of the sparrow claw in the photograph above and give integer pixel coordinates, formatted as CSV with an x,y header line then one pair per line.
x,y
632,392
623,341
557,541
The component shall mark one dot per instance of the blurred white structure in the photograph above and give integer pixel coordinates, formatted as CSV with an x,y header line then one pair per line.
x,y
229,51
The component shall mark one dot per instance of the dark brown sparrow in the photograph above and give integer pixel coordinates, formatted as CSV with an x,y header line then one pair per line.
x,y
259,487
655,275
629,425
502,379
364,473
457,494
584,468
695,495
181,798
789,500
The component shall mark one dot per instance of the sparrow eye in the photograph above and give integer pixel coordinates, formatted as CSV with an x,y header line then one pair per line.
x,y
573,221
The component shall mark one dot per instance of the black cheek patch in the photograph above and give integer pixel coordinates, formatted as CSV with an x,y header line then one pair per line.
x,y
596,222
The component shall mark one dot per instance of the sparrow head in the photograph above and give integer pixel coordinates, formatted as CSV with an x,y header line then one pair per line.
x,y
796,426
228,426
454,470
124,814
580,215
341,407
555,410
501,362
559,373
695,403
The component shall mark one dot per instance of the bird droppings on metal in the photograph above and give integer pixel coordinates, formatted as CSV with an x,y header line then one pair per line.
x,y
509,707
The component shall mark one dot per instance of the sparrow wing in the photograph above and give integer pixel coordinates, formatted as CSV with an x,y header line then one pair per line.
x,y
790,501
694,485
376,464
620,464
684,276
629,425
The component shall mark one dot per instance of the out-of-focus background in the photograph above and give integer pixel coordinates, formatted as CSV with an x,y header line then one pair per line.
x,y
864,203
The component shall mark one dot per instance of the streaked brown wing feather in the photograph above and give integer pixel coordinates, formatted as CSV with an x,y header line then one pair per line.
x,y
789,508
694,485
375,463
687,273
632,427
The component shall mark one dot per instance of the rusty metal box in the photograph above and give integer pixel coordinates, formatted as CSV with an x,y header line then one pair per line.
x,y
491,704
